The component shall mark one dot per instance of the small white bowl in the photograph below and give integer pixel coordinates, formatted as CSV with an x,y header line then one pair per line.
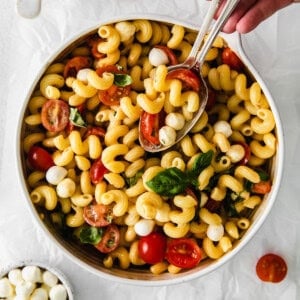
x,y
43,267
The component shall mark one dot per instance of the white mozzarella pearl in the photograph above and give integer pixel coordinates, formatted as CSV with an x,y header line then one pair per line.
x,y
49,278
32,274
6,289
167,135
25,288
82,74
236,153
39,294
223,127
175,120
58,292
158,57
66,188
15,276
215,232
144,227
56,174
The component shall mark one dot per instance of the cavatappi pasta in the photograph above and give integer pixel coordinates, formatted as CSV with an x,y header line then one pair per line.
x,y
88,174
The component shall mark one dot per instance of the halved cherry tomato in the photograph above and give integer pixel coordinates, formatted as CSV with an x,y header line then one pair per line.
x,y
98,215
152,248
39,158
262,187
271,268
110,239
149,127
231,59
183,253
97,171
189,78
93,43
75,64
55,115
169,52
112,95
95,130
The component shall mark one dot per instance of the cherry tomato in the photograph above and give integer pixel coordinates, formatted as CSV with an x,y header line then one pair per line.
x,y
110,239
183,253
93,43
169,52
247,155
188,77
97,171
149,127
262,187
55,115
112,95
271,268
75,64
95,130
152,248
231,59
39,158
98,215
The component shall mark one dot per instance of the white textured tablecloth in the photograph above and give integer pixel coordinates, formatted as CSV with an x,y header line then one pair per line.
x,y
274,48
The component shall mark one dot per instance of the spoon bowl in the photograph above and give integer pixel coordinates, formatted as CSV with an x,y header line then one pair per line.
x,y
194,63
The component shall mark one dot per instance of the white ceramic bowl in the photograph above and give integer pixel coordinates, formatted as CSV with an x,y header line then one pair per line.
x,y
43,267
142,276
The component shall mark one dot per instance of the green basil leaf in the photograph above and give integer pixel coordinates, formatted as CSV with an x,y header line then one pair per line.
x,y
264,176
169,182
133,180
76,118
202,161
90,235
122,79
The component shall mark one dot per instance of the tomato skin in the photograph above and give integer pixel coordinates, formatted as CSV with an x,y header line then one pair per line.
x,y
95,130
98,215
247,155
110,239
39,158
231,59
93,43
75,64
183,253
188,77
262,187
271,268
169,52
149,127
152,247
55,115
97,171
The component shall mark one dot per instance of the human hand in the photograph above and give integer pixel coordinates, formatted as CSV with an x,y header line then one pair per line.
x,y
250,13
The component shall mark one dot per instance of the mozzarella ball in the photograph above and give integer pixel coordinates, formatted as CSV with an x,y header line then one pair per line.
x,y
175,120
66,188
39,294
49,278
144,227
82,74
158,57
56,174
15,276
167,135
32,274
236,152
223,127
25,288
6,288
58,292
215,232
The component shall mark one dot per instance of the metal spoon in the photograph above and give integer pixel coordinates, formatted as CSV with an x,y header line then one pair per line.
x,y
194,61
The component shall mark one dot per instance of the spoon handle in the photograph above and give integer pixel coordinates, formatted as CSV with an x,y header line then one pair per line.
x,y
226,12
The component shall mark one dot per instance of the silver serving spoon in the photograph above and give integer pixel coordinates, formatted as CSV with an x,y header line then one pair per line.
x,y
194,62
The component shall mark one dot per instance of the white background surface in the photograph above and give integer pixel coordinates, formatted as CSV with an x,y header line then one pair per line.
x,y
274,48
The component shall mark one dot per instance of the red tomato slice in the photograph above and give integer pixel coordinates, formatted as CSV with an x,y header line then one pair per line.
x,y
39,158
271,268
149,127
75,64
262,187
231,59
169,52
95,130
152,248
55,115
113,95
188,77
110,239
98,215
183,253
97,171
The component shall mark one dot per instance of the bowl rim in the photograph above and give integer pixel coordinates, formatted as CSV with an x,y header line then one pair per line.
x,y
235,42
44,266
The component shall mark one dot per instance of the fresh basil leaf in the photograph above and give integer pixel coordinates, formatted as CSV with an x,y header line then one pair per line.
x,y
264,176
76,118
90,235
133,180
122,79
202,161
169,182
